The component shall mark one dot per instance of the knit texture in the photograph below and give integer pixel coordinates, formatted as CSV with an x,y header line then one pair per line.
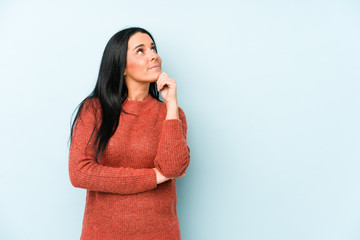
x,y
123,199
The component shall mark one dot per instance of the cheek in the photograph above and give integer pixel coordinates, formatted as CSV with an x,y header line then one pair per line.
x,y
135,67
131,66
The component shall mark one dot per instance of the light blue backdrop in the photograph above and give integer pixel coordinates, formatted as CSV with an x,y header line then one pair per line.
x,y
271,94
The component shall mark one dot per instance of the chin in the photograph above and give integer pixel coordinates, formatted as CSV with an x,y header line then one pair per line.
x,y
155,77
153,80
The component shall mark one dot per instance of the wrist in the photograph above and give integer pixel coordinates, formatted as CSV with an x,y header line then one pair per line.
x,y
172,103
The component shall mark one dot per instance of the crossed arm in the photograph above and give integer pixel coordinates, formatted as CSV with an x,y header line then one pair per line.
x,y
171,161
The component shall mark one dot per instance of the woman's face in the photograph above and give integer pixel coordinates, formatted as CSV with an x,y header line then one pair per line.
x,y
143,63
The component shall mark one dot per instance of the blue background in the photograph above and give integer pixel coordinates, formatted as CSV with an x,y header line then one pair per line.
x,y
271,94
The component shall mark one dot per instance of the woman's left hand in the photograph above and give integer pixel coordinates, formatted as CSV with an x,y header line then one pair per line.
x,y
167,87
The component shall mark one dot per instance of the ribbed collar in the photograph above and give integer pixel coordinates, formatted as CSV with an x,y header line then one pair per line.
x,y
134,106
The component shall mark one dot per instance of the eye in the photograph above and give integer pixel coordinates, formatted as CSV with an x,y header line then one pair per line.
x,y
139,50
154,48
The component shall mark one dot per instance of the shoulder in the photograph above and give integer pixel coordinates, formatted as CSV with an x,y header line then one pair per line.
x,y
90,108
92,103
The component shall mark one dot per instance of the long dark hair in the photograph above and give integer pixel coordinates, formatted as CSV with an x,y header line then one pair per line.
x,y
111,90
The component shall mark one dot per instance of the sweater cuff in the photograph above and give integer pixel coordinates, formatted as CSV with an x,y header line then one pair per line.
x,y
140,183
152,183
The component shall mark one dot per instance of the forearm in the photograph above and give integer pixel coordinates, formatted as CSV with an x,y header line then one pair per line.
x,y
173,154
87,174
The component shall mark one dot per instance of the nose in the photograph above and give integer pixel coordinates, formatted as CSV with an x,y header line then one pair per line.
x,y
153,55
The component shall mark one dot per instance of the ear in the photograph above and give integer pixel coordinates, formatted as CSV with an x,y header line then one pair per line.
x,y
125,71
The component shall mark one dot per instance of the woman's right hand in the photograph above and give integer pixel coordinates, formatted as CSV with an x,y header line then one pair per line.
x,y
161,178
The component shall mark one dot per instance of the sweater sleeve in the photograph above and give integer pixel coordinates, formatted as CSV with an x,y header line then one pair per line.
x,y
85,173
173,154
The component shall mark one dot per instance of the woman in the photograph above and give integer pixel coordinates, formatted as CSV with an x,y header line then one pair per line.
x,y
127,146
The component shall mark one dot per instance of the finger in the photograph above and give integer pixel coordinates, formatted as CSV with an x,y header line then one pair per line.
x,y
161,79
162,75
162,82
161,85
158,83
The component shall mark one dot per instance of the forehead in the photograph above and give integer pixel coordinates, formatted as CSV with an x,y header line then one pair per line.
x,y
139,38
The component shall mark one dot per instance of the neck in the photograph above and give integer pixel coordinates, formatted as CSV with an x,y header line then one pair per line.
x,y
137,91
138,97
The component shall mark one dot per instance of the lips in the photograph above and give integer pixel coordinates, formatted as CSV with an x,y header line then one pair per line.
x,y
155,66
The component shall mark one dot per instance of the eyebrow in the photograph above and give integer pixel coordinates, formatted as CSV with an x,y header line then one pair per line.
x,y
142,45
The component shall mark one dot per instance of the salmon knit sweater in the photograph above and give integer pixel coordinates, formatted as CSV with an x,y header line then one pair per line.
x,y
123,199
